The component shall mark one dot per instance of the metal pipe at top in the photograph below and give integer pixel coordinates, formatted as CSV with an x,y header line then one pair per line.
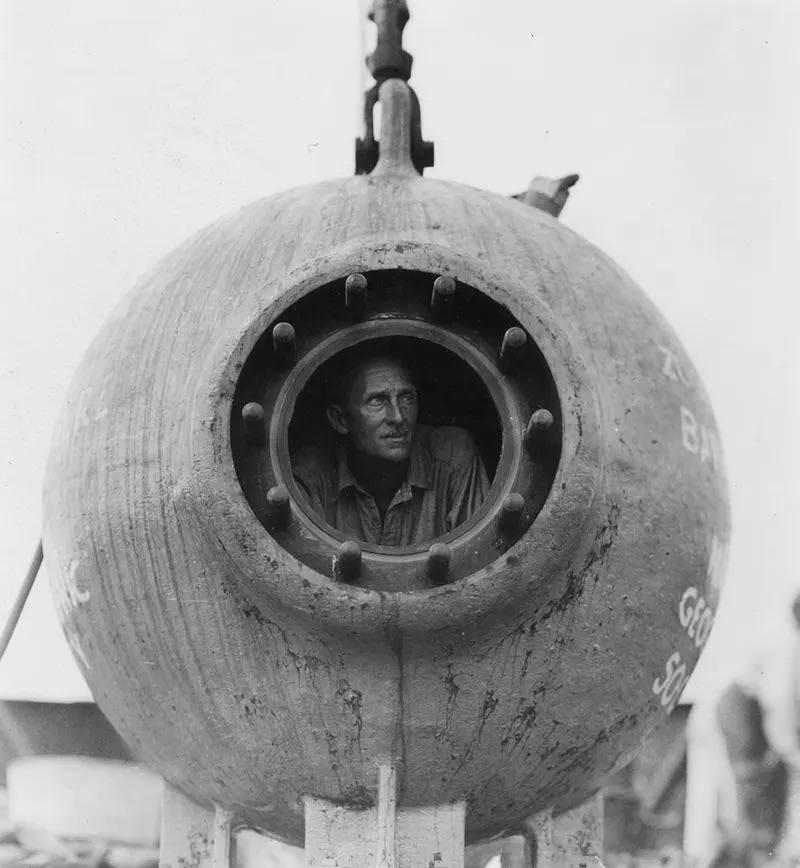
x,y
389,60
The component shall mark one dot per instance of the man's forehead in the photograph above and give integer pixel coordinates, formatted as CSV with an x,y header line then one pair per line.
x,y
381,373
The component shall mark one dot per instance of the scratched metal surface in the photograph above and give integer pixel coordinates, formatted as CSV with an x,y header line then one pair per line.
x,y
246,678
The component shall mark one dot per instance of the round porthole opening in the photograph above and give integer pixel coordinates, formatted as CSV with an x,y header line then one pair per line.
x,y
395,449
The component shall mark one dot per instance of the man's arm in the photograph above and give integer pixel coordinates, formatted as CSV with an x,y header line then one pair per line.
x,y
308,469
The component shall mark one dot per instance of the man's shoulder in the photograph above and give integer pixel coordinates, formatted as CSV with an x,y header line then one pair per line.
x,y
449,443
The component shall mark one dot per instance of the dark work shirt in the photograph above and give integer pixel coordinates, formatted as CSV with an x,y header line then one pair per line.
x,y
445,483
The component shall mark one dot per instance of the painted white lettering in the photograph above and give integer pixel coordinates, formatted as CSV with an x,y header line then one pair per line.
x,y
698,610
699,439
716,449
689,433
672,692
717,561
704,627
685,609
708,451
672,368
669,688
669,368
695,615
659,684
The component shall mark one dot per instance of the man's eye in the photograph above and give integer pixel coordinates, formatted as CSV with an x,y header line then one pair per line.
x,y
374,402
408,399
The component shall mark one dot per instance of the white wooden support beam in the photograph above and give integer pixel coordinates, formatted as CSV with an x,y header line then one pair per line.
x,y
573,839
192,836
223,822
387,816
187,832
384,836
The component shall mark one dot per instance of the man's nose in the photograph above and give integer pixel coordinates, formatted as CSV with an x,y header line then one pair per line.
x,y
394,412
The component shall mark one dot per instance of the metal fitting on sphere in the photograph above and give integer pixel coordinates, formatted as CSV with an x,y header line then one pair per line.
x,y
253,422
283,342
278,506
355,294
509,519
511,350
347,561
443,296
538,429
438,562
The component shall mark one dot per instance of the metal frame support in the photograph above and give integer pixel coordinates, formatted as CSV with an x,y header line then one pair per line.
x,y
382,835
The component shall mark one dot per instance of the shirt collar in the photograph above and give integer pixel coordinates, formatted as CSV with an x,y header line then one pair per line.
x,y
419,475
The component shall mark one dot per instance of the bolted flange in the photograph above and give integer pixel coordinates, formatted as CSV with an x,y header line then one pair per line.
x,y
538,429
512,348
355,294
279,508
283,342
438,564
512,511
456,366
253,422
347,561
443,296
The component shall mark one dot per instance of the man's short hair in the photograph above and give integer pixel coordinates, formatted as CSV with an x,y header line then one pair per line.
x,y
345,368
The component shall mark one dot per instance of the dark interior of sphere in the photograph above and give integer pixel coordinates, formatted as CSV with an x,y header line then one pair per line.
x,y
449,392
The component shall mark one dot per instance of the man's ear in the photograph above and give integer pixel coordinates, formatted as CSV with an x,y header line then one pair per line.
x,y
337,419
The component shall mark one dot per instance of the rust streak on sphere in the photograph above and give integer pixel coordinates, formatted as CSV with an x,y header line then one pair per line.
x,y
240,667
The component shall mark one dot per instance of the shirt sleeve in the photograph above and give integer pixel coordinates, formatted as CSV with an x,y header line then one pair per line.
x,y
467,482
309,475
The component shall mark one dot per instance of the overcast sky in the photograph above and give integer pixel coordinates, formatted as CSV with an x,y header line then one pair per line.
x,y
126,126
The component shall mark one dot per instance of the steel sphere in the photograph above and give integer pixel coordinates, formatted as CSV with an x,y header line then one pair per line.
x,y
544,639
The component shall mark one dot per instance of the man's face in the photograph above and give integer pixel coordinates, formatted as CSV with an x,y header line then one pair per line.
x,y
381,411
